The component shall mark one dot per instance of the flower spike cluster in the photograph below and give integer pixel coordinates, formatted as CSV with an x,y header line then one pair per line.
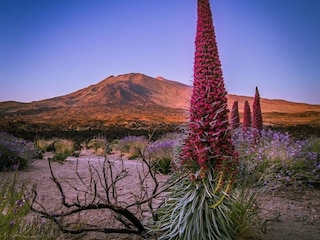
x,y
208,139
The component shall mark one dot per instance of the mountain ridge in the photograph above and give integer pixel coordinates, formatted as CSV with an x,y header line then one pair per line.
x,y
138,97
136,77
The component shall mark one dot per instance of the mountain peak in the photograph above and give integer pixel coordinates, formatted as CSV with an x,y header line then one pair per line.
x,y
161,78
131,89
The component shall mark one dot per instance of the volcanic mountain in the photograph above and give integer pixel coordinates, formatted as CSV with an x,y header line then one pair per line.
x,y
130,100
135,100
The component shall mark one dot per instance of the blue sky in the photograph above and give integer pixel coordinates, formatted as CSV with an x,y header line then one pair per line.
x,y
50,48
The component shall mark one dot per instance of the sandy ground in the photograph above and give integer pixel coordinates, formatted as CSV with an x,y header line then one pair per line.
x,y
288,215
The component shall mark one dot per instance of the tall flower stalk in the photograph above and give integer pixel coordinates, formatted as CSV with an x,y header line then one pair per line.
x,y
256,109
198,204
208,142
235,119
247,118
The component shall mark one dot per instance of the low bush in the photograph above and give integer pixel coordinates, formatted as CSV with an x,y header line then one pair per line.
x,y
161,153
64,147
132,145
99,146
43,144
15,153
283,160
162,165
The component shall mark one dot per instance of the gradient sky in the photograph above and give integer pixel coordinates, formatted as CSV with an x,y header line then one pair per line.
x,y
50,48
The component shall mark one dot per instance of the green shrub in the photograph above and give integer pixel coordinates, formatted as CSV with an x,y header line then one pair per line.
x,y
162,165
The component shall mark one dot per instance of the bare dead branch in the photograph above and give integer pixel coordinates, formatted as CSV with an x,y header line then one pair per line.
x,y
100,192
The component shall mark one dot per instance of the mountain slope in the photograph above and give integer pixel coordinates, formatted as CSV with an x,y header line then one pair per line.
x,y
136,97
115,100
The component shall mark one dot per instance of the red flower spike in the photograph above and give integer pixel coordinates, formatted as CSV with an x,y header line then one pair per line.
x,y
235,119
208,138
256,109
246,117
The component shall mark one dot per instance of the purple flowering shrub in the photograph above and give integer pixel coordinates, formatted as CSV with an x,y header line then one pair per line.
x,y
311,152
14,152
278,158
132,145
161,154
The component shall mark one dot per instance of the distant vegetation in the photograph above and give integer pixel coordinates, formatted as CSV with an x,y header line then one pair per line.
x,y
298,131
292,119
32,132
